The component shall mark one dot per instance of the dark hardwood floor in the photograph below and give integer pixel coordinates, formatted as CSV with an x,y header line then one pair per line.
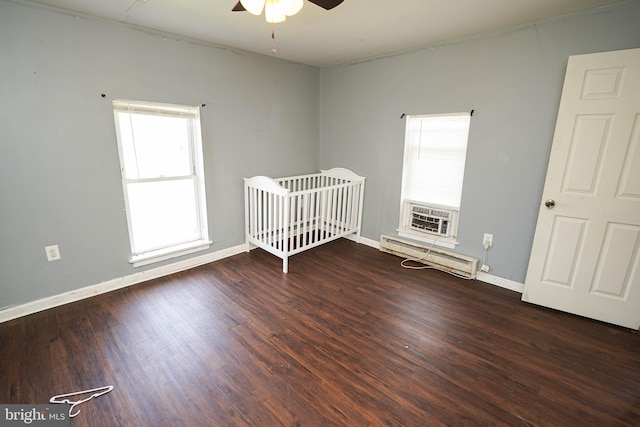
x,y
347,338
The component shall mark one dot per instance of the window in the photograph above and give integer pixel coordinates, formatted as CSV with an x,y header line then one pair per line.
x,y
162,177
435,149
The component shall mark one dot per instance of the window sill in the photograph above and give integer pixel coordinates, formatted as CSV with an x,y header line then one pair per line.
x,y
168,253
431,239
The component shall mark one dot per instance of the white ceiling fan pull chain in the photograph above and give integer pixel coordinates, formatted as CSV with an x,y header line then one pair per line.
x,y
274,49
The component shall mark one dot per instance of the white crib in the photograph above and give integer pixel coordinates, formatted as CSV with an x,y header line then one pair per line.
x,y
286,216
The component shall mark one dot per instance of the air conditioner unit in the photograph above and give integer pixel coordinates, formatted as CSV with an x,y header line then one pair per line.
x,y
445,260
430,219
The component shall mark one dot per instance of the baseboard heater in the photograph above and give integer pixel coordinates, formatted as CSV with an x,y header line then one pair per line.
x,y
426,254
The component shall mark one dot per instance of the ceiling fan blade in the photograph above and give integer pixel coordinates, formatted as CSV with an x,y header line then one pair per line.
x,y
238,8
327,4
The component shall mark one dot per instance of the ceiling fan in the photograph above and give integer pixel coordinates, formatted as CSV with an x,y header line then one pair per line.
x,y
256,6
276,11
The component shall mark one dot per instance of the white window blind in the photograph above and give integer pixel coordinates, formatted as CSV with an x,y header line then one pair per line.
x,y
435,153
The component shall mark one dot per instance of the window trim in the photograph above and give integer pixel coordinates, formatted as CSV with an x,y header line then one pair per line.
x,y
149,256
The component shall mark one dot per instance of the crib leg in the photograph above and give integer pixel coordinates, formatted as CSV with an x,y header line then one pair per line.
x,y
285,265
248,246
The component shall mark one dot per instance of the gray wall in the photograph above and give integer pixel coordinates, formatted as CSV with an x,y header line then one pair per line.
x,y
512,79
59,173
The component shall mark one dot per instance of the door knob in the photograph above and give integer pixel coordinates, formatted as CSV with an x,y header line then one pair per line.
x,y
550,203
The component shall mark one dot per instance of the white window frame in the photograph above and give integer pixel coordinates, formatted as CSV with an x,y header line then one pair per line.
x,y
404,228
202,242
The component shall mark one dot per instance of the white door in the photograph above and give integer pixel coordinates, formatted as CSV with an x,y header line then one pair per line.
x,y
586,250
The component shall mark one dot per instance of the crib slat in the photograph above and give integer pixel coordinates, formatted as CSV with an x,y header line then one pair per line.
x,y
340,218
278,223
275,221
327,213
261,214
296,220
292,221
305,218
322,213
270,218
345,206
312,217
341,215
301,218
334,209
327,221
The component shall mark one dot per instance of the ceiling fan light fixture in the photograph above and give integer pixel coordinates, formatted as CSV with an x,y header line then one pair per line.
x,y
253,6
274,11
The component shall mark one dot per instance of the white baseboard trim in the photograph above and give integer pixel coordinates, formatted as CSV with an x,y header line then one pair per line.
x,y
16,311
499,281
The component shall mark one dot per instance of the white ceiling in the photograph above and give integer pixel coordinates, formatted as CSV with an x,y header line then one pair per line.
x,y
354,30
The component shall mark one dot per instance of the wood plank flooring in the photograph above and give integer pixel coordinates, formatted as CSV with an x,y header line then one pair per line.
x,y
347,338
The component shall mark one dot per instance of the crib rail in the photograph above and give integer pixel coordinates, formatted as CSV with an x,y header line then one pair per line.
x,y
289,215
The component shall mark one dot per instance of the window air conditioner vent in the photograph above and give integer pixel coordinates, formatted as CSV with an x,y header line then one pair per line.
x,y
430,219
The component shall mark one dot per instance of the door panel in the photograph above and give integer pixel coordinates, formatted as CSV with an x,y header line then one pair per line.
x,y
566,237
615,267
588,144
630,178
585,254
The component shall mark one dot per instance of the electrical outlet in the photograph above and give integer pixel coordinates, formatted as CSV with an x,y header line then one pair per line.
x,y
53,253
487,241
